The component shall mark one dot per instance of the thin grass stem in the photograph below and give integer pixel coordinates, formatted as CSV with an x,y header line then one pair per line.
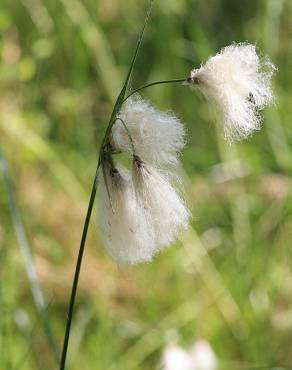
x,y
77,271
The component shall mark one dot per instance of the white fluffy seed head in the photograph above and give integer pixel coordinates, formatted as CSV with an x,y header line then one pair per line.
x,y
203,355
176,358
199,357
238,82
158,137
162,203
128,236
143,214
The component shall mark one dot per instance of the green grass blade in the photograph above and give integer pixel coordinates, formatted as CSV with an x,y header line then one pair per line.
x,y
25,249
21,362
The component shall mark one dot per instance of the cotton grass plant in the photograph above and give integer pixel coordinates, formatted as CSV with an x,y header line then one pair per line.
x,y
141,210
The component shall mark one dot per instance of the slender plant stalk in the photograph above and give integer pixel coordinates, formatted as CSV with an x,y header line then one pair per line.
x,y
77,271
24,246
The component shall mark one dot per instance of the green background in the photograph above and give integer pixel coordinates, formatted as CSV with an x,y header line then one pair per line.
x,y
229,281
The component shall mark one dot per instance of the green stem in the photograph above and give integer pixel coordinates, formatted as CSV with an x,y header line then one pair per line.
x,y
77,271
153,84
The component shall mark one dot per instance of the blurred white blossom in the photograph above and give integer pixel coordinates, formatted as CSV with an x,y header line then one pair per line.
x,y
176,358
158,137
199,357
203,355
238,82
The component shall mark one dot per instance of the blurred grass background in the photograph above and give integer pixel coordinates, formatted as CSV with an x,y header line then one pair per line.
x,y
229,281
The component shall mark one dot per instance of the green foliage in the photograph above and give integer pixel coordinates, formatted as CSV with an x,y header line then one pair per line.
x,y
62,65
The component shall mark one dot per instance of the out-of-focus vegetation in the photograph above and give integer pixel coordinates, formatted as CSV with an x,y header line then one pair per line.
x,y
229,281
